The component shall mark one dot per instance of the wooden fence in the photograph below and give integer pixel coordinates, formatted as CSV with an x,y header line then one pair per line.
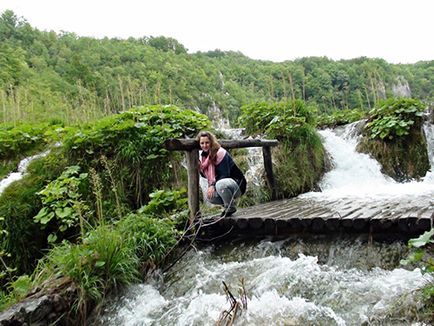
x,y
191,148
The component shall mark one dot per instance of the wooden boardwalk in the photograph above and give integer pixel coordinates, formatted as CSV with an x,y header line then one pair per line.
x,y
408,217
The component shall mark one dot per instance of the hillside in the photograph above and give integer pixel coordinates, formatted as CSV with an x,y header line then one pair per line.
x,y
46,75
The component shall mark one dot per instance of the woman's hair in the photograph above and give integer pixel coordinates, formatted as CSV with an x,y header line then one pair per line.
x,y
214,144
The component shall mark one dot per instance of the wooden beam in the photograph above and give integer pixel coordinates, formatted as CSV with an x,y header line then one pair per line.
x,y
193,183
173,144
268,165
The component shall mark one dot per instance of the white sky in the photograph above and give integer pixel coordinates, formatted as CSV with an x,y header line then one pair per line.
x,y
399,31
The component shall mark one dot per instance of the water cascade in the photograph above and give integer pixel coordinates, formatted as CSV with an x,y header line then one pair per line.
x,y
358,176
22,167
299,280
290,282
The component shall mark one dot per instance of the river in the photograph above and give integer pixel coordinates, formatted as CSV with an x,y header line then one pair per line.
x,y
311,280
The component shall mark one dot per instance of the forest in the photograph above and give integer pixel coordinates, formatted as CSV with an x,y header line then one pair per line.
x,y
48,75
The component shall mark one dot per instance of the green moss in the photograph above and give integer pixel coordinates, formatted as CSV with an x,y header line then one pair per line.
x,y
403,158
298,164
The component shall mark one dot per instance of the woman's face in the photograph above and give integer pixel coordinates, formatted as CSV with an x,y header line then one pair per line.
x,y
205,143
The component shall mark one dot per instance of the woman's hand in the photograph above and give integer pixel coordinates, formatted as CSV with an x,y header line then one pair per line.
x,y
210,192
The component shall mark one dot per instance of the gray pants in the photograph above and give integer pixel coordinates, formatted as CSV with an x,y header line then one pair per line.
x,y
226,190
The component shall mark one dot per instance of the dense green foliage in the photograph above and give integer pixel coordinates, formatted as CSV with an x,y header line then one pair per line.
x,y
47,75
127,148
276,119
299,158
24,139
340,117
62,201
99,174
394,118
393,136
19,203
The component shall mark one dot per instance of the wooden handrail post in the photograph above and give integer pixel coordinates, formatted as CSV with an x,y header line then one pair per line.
x,y
192,157
268,166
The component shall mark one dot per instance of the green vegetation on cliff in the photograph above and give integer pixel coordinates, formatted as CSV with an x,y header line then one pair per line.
x,y
299,159
394,137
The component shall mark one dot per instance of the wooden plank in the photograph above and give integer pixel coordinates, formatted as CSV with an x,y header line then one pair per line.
x,y
269,226
193,183
173,144
318,224
284,213
268,166
256,222
332,223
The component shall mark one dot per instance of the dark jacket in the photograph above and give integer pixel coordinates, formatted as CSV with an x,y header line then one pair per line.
x,y
228,169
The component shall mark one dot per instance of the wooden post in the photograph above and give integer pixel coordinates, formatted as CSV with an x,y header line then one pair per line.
x,y
191,148
192,157
268,165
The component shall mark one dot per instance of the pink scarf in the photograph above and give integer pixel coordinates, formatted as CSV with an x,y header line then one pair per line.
x,y
208,167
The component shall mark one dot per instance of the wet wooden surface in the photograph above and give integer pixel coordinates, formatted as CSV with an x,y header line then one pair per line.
x,y
413,216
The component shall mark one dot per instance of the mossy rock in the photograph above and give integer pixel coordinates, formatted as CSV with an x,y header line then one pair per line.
x,y
299,165
403,158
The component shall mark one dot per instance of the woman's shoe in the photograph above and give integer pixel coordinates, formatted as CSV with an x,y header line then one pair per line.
x,y
228,212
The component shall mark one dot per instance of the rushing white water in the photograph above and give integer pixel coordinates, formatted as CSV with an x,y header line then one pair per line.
x,y
331,284
22,167
320,281
359,175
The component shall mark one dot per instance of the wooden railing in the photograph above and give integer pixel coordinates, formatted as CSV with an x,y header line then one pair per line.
x,y
191,148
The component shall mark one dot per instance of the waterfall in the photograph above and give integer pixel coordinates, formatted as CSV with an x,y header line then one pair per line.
x,y
22,167
357,174
289,282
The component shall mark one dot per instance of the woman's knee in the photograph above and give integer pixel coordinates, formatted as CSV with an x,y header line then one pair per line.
x,y
223,184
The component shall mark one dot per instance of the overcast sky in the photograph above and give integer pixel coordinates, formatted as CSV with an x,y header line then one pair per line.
x,y
398,31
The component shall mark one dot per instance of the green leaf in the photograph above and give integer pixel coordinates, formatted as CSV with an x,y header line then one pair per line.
x,y
47,218
422,240
52,238
99,263
64,212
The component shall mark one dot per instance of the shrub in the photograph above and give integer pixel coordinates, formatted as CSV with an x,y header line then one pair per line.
x,y
19,203
394,118
393,136
421,255
132,142
276,119
340,117
299,158
151,237
62,202
102,263
165,202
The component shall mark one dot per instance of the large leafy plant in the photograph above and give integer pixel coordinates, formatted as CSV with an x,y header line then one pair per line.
x,y
62,202
133,142
394,118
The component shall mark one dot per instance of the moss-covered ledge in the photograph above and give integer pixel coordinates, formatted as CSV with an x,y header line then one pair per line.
x,y
394,137
402,159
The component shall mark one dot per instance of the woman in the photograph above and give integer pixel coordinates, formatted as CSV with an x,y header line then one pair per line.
x,y
225,180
